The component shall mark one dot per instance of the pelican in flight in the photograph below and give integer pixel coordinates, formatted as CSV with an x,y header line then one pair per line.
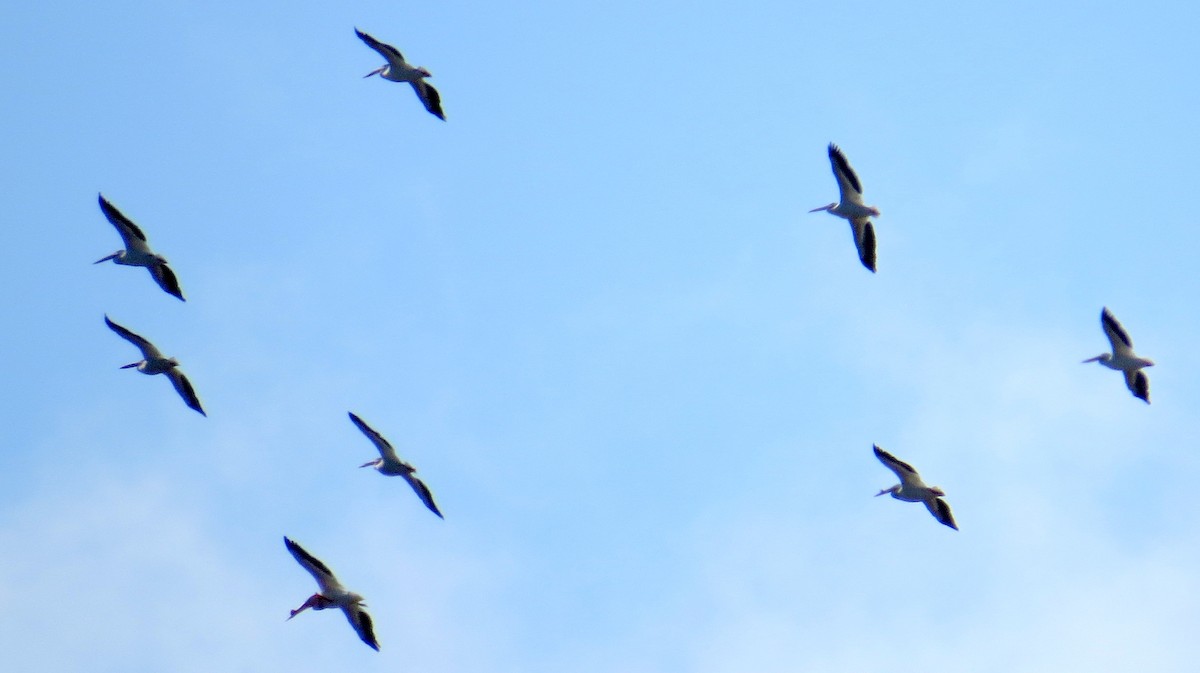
x,y
333,595
153,362
137,251
1123,358
390,464
398,70
851,207
912,489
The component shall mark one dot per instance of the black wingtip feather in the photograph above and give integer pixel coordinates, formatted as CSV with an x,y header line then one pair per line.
x,y
868,251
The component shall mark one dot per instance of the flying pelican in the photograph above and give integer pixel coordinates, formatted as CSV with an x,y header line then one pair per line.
x,y
153,362
912,489
390,464
333,595
851,207
1123,358
398,70
137,252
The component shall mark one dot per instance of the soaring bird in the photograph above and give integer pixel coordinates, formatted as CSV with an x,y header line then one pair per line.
x,y
333,595
153,362
851,207
390,464
137,251
912,489
398,70
1123,358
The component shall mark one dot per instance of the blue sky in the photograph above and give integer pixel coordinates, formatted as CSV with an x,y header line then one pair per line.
x,y
591,308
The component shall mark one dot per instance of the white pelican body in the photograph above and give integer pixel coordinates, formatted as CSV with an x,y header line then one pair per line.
x,y
913,489
137,251
333,595
398,70
389,463
1122,358
851,207
153,362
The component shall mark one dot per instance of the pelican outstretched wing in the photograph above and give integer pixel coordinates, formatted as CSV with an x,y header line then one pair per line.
x,y
385,50
149,352
133,236
423,493
184,387
940,509
907,474
847,179
320,572
165,277
361,621
864,240
430,98
1138,384
1117,336
382,445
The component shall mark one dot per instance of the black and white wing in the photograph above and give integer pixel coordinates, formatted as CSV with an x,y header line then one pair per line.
x,y
940,509
864,240
430,98
361,621
382,445
184,387
847,179
1117,336
392,54
132,236
1138,384
908,476
165,277
423,493
320,572
149,352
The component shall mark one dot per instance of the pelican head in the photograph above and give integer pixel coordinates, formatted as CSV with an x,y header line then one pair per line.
x,y
424,72
374,463
377,71
315,601
1102,358
874,211
937,490
1147,362
888,490
828,207
112,256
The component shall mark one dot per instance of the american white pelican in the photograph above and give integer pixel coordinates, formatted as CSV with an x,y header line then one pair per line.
x,y
851,207
153,362
398,70
333,595
390,464
137,251
912,489
1123,358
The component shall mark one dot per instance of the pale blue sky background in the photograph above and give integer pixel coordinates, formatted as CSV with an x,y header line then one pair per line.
x,y
642,382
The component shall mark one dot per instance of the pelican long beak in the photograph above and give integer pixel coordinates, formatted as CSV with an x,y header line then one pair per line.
x,y
816,210
1092,359
370,464
106,258
886,490
374,72
131,364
